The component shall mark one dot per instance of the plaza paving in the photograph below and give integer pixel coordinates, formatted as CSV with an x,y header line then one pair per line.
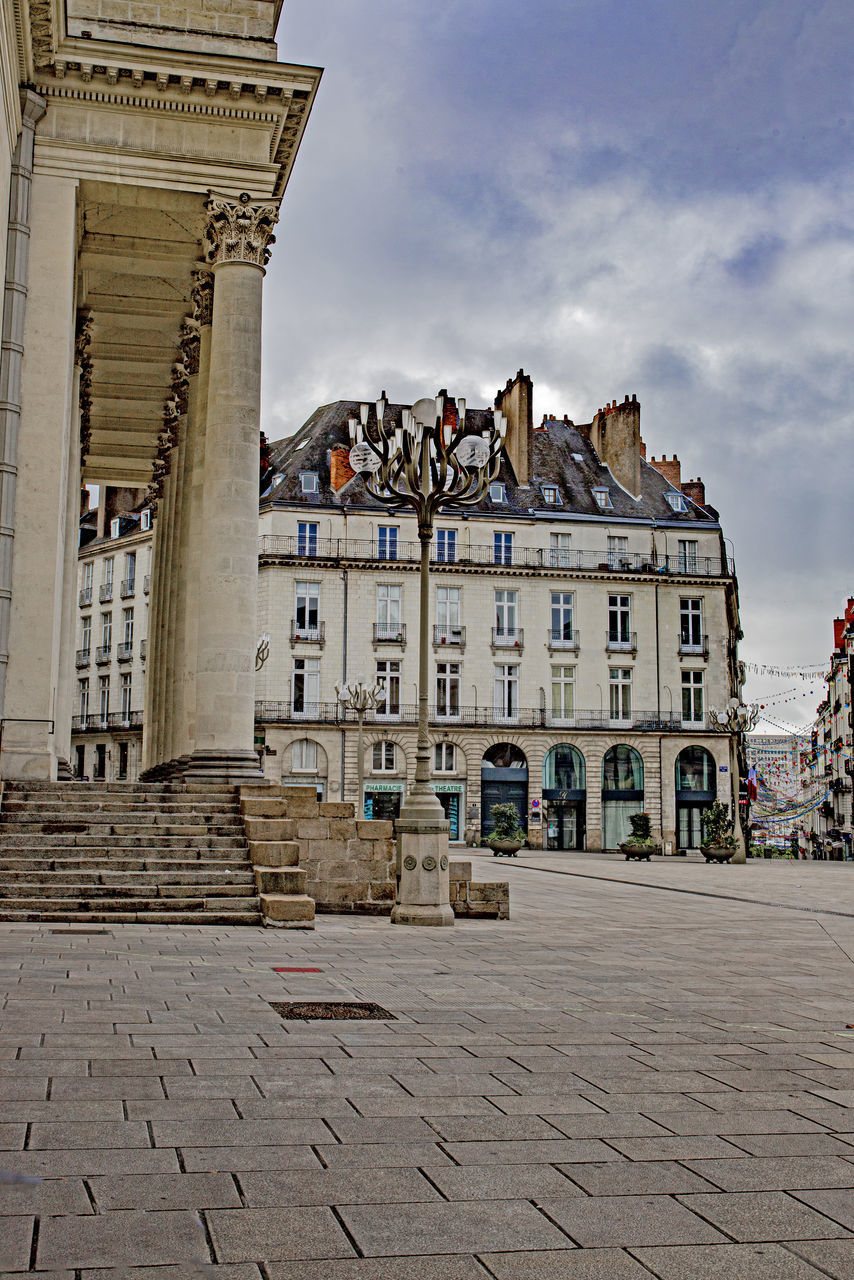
x,y
625,1080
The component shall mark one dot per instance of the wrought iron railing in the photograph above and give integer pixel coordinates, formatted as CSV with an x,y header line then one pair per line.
x,y
305,634
694,648
278,712
85,597
508,638
102,654
390,633
128,588
83,657
561,638
621,641
103,723
453,636
124,652
105,592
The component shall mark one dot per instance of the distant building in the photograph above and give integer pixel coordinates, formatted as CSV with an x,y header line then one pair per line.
x,y
829,763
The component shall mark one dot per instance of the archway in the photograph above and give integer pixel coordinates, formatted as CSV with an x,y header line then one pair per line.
x,y
503,780
564,794
696,790
622,793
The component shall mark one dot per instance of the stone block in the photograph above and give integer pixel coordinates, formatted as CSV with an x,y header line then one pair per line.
x,y
327,850
284,909
270,829
336,809
342,828
254,807
374,829
382,891
488,892
301,807
280,880
334,892
314,829
274,853
460,871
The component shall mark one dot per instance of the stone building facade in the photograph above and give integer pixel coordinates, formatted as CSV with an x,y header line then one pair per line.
x,y
829,762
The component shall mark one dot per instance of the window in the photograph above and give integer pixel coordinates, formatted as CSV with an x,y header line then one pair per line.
x,y
86,633
115,528
602,498
384,757
130,568
692,697
445,758
505,614
88,571
620,689
308,481
126,696
620,620
109,571
563,693
677,502
306,609
447,689
306,686
83,697
562,610
388,610
145,520
618,551
304,756
446,546
447,608
498,491
551,494
506,690
387,542
691,624
127,626
688,555
388,678
502,548
560,550
103,697
306,538
106,630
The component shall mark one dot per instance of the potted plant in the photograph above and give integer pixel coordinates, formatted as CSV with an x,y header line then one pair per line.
x,y
640,845
506,837
719,844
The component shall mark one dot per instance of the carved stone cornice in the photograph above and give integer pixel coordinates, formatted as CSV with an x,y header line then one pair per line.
x,y
240,230
203,285
83,360
190,343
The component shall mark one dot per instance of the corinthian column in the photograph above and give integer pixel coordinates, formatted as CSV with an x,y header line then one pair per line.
x,y
239,234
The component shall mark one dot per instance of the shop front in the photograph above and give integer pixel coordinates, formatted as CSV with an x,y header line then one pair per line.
x,y
503,780
565,795
383,800
451,796
622,793
696,791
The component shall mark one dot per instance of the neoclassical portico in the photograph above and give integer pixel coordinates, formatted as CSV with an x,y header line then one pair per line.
x,y
155,160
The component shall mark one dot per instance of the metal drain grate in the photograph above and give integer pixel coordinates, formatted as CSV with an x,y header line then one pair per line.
x,y
280,970
307,1009
105,933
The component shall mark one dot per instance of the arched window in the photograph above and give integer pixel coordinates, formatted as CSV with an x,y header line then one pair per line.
x,y
622,793
696,789
504,755
695,770
622,770
563,769
503,780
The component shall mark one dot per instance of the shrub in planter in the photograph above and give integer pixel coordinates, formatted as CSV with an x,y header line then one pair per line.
x,y
506,837
640,844
719,844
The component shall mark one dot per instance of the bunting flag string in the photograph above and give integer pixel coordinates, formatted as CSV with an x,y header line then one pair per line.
x,y
808,671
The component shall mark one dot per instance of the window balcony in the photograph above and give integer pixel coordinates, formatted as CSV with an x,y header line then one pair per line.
x,y
143,649
564,640
146,584
508,638
128,588
621,642
102,654
105,592
392,634
83,656
308,634
85,597
124,652
454,637
103,722
470,716
694,648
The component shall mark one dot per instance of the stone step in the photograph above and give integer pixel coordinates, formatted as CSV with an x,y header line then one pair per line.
x,y
116,792
203,861
288,911
216,916
88,889
89,902
106,826
85,840
13,809
288,880
106,874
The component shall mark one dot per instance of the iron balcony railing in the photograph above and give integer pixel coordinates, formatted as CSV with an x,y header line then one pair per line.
x,y
128,588
303,633
102,654
283,546
83,657
283,712
105,592
694,648
124,652
99,723
508,638
390,633
453,636
562,638
621,641
85,597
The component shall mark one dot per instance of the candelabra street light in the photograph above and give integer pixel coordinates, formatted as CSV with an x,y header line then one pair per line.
x,y
360,698
424,459
735,719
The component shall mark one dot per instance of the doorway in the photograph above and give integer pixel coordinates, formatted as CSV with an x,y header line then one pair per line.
x,y
696,791
503,780
565,797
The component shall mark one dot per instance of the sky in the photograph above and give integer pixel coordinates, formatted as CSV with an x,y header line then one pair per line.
x,y
620,196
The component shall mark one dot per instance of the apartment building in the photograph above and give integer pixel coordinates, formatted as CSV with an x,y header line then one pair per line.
x,y
829,764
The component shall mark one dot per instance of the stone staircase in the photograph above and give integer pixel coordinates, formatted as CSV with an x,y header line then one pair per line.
x,y
123,853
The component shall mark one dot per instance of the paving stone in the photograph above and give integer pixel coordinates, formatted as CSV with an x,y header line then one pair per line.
x,y
675,1148
792,1144
747,1121
381,1155
15,1240
444,1268
766,1173
46,1135
238,1133
496,1128
124,1239
166,1191
629,1221
832,1257
762,1215
620,1124
552,1151
355,1128
728,1262
463,1226
87,1162
634,1177
256,1235
491,1182
107,1087
48,1196
448,1085
838,1205
241,1271
328,1187
228,1159
577,1264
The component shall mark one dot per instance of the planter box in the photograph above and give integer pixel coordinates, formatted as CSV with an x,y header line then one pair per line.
x,y
638,853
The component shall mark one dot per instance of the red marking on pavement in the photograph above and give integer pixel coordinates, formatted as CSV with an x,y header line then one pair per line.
x,y
275,970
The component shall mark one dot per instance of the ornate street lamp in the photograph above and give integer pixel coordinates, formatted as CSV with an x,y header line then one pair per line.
x,y
735,719
425,460
360,698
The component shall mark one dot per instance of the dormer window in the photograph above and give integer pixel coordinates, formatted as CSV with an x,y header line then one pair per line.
x,y
551,494
115,528
145,520
498,491
602,498
308,481
677,502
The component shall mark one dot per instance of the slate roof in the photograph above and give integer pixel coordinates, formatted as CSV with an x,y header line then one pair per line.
x,y
562,456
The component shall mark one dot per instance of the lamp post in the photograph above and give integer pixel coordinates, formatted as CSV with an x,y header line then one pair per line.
x,y
735,719
424,459
360,698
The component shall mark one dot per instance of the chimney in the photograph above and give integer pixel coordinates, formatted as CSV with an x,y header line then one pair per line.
x,y
516,403
340,471
695,490
671,470
838,631
615,435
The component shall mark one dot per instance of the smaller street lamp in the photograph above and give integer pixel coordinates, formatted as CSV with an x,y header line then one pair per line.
x,y
735,719
360,698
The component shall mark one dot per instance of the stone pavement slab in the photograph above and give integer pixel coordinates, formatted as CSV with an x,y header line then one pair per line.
x,y
256,1235
127,1238
728,1262
581,1264
599,1221
762,1215
466,1226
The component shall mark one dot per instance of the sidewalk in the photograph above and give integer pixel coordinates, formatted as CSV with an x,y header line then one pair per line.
x,y
620,1082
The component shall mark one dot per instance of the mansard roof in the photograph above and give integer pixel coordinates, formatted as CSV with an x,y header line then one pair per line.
x,y
563,456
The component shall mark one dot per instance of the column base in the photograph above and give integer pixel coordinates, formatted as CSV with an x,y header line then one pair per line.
x,y
423,888
229,767
411,913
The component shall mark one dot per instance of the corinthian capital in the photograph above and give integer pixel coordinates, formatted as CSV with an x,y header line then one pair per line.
x,y
240,230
